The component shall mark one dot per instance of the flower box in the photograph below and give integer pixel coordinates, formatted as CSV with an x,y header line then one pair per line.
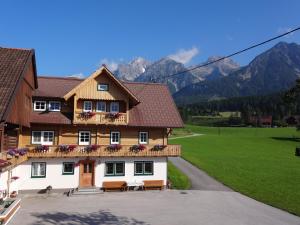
x,y
113,115
137,148
42,148
158,147
91,148
66,148
114,147
86,115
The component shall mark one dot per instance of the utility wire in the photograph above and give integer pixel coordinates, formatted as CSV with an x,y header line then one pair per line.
x,y
230,55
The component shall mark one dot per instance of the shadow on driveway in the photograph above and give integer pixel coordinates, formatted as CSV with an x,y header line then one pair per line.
x,y
101,217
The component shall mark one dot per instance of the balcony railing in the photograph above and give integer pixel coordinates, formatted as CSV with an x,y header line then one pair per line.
x,y
104,151
100,118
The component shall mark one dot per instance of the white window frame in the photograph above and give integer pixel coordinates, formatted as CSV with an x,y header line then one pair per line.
x,y
103,104
140,137
84,142
99,88
111,137
112,104
42,137
55,102
65,172
87,110
39,171
35,105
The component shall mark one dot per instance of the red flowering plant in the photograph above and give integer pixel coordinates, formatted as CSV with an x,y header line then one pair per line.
x,y
86,115
42,148
66,148
137,148
17,152
91,148
158,147
14,178
113,116
114,147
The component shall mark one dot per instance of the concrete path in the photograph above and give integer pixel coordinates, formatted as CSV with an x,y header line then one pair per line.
x,y
187,136
168,207
199,179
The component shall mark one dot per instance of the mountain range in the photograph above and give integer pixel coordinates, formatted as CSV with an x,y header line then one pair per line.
x,y
272,71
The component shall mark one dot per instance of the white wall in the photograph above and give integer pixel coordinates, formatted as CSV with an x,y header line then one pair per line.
x,y
3,180
159,170
55,178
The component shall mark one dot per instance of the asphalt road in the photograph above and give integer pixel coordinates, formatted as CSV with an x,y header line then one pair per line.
x,y
169,207
199,179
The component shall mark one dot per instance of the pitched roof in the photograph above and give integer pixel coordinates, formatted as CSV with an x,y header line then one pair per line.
x,y
50,118
156,107
98,73
13,64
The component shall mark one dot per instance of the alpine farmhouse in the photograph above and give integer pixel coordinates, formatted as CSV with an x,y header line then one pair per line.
x,y
66,133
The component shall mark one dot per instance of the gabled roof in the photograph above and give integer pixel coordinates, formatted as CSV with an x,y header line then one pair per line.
x,y
13,66
156,107
96,74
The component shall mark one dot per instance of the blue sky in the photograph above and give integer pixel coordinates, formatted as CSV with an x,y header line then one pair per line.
x,y
74,37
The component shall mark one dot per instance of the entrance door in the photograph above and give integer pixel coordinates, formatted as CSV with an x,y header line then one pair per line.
x,y
86,173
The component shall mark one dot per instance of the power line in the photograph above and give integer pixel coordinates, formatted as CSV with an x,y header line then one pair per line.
x,y
230,55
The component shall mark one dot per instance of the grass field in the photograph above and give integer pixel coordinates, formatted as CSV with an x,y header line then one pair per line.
x,y
258,162
178,179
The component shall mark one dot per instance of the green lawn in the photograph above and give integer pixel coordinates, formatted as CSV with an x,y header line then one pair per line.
x,y
258,162
178,179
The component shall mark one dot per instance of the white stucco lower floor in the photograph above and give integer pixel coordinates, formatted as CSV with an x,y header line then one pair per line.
x,y
57,180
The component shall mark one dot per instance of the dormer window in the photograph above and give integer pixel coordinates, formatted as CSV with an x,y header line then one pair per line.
x,y
87,106
54,106
102,87
39,106
114,107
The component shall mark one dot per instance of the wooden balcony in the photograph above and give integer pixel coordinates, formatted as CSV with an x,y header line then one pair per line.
x,y
100,118
103,151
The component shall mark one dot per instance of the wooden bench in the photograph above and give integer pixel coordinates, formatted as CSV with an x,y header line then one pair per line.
x,y
153,184
114,185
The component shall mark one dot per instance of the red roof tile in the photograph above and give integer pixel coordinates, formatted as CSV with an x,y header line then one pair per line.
x,y
156,107
50,118
12,65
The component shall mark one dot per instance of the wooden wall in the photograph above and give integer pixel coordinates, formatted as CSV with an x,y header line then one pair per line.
x,y
100,134
21,107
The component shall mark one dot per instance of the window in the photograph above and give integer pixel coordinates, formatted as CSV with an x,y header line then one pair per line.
x,y
42,137
115,137
68,168
143,168
101,107
143,137
84,137
114,169
114,107
38,169
102,87
40,106
87,106
54,106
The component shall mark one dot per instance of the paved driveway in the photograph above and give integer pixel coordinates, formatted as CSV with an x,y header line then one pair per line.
x,y
151,207
199,179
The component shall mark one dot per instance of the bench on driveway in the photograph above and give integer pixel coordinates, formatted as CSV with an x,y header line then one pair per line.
x,y
114,185
153,184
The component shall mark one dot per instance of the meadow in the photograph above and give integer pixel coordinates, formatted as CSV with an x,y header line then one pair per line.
x,y
258,162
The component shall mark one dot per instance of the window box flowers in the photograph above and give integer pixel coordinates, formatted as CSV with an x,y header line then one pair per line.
x,y
114,147
137,148
91,148
42,148
159,147
66,148
113,116
16,152
86,115
14,178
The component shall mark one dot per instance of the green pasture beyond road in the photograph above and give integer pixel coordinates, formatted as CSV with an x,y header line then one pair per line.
x,y
258,162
